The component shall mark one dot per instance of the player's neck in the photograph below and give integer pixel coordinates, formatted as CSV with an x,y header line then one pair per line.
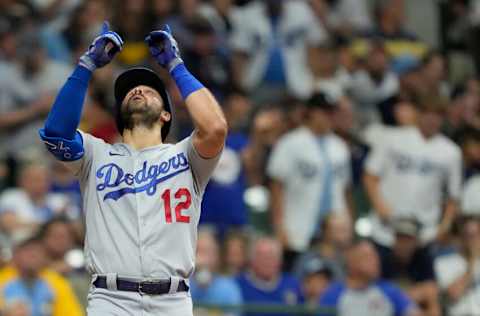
x,y
142,137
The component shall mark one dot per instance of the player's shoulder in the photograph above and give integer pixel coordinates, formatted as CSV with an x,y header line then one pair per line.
x,y
447,145
88,139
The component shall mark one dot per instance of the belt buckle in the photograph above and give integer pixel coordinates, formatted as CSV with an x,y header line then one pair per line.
x,y
142,284
140,288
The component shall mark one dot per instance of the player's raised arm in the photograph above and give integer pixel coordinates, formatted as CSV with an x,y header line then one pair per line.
x,y
60,131
208,118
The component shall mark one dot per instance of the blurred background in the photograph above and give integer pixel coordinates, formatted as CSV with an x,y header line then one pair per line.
x,y
349,184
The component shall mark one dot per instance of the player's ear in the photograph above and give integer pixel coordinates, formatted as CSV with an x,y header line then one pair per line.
x,y
165,116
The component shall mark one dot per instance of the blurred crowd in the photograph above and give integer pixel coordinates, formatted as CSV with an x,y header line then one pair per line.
x,y
350,177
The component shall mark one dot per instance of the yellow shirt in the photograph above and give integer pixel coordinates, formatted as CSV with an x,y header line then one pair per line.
x,y
64,300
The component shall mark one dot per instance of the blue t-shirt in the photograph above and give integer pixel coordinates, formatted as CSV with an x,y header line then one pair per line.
x,y
379,299
222,204
285,291
38,296
222,290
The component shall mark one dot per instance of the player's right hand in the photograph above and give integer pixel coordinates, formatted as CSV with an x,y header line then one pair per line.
x,y
102,50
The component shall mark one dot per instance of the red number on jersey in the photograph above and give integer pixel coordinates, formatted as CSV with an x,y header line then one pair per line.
x,y
168,208
183,205
183,192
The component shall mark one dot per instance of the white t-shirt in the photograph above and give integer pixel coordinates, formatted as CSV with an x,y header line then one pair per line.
x,y
414,174
450,268
299,164
252,34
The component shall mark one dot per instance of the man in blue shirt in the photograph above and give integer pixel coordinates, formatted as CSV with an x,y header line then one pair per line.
x,y
264,283
207,285
362,293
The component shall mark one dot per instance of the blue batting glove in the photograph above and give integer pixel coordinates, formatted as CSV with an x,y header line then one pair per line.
x,y
102,50
164,48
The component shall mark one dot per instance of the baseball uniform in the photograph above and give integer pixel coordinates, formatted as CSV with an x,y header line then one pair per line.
x,y
414,175
142,210
299,162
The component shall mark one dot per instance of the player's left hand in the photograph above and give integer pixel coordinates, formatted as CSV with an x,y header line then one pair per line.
x,y
102,50
164,48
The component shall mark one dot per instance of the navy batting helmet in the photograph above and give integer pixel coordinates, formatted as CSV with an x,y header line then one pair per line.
x,y
132,78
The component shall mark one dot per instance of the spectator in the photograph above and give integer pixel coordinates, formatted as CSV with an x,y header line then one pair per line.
x,y
30,205
267,127
410,81
207,285
362,293
265,282
316,277
220,14
269,55
406,176
28,282
336,238
390,27
20,106
204,59
132,22
345,126
337,16
310,171
223,203
63,182
57,237
328,76
458,273
88,17
410,264
470,143
185,12
235,253
433,73
373,84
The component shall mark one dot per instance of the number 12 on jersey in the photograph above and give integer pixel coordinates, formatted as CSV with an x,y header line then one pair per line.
x,y
185,198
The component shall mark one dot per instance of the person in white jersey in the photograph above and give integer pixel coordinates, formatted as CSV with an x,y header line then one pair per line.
x,y
415,172
310,172
141,196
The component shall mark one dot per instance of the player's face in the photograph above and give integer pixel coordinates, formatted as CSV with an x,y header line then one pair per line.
x,y
143,106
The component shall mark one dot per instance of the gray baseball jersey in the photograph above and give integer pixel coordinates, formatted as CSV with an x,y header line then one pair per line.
x,y
142,207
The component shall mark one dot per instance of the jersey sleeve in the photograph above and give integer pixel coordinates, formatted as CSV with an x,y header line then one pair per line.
x,y
377,160
82,166
402,304
278,165
202,168
454,176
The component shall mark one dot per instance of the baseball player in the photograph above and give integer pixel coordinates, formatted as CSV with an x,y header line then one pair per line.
x,y
141,197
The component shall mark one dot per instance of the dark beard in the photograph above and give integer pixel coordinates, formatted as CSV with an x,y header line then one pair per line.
x,y
146,116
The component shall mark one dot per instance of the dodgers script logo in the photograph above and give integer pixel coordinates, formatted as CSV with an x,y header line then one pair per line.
x,y
112,176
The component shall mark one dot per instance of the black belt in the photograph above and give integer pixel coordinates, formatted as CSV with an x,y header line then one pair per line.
x,y
146,287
